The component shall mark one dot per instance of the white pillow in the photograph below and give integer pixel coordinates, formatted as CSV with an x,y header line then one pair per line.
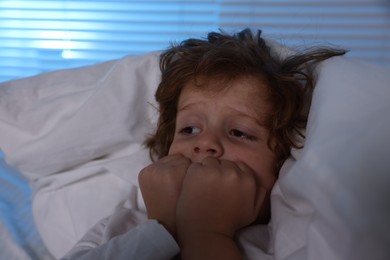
x,y
62,119
333,201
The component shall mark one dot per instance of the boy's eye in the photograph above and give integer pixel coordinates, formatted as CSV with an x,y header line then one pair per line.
x,y
190,130
241,134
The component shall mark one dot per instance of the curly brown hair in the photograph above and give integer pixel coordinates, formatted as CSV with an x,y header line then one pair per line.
x,y
223,58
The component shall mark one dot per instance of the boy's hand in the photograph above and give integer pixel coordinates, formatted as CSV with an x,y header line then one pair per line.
x,y
218,197
160,185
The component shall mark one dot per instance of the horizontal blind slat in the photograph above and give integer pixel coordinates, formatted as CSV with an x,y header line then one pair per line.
x,y
39,36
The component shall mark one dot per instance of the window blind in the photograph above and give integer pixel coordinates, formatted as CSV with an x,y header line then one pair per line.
x,y
361,26
40,36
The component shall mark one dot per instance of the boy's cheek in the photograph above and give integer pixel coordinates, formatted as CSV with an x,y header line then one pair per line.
x,y
179,148
172,149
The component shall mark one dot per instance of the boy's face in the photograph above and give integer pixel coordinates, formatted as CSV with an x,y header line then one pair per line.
x,y
226,125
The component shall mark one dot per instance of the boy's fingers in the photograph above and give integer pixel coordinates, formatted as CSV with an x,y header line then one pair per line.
x,y
210,161
244,168
261,192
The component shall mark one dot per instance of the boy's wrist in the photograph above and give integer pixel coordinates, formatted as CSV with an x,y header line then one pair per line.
x,y
201,235
205,244
203,225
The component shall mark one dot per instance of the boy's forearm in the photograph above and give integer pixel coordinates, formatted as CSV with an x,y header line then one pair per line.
x,y
208,246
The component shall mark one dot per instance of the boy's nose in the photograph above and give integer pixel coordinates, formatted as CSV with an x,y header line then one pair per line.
x,y
207,145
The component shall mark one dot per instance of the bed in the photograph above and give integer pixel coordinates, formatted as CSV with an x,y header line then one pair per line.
x,y
71,143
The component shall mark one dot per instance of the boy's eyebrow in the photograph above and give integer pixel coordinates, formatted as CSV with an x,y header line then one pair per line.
x,y
253,116
188,106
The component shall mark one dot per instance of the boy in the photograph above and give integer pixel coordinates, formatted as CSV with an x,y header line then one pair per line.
x,y
229,114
